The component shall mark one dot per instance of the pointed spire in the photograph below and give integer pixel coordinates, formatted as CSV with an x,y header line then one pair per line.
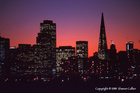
x,y
102,49
102,21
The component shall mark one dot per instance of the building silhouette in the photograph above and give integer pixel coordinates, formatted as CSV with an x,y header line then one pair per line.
x,y
82,49
70,67
130,57
129,49
136,64
102,49
113,60
113,52
122,64
44,61
4,56
13,61
38,60
24,65
63,53
47,38
82,55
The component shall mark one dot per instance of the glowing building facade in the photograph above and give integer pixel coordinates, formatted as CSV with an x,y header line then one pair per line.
x,y
40,59
63,53
82,49
82,55
47,39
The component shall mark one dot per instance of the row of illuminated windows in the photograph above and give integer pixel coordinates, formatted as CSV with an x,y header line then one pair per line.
x,y
65,50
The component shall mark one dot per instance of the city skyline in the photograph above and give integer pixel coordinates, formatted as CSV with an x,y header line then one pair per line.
x,y
54,63
20,22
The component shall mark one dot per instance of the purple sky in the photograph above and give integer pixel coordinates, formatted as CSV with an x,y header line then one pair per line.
x,y
75,19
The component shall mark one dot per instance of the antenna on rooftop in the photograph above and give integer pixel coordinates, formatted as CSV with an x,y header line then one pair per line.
x,y
112,42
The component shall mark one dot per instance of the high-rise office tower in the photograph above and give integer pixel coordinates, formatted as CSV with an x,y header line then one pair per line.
x,y
47,39
102,49
4,55
82,55
63,53
131,60
82,49
129,48
47,35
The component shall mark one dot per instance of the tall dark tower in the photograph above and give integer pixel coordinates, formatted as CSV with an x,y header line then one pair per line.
x,y
4,56
102,49
45,48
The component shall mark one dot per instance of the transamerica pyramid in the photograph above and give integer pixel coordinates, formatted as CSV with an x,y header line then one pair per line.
x,y
102,49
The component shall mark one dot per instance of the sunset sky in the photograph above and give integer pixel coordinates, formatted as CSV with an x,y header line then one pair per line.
x,y
75,20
